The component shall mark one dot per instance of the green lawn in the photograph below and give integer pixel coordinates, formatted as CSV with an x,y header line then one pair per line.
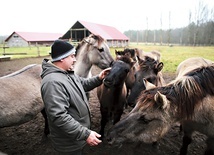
x,y
170,56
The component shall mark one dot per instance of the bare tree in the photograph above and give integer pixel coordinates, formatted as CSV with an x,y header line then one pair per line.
x,y
161,31
189,27
154,37
146,30
201,14
169,28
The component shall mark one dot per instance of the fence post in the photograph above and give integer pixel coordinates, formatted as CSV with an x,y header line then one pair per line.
x,y
38,51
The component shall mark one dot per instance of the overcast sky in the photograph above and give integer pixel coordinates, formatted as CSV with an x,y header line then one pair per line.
x,y
57,16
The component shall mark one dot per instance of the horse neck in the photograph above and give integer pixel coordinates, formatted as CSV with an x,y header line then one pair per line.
x,y
118,89
160,80
82,66
82,69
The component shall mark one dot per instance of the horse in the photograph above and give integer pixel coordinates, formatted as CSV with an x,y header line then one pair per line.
x,y
112,93
187,99
130,79
20,99
149,69
92,50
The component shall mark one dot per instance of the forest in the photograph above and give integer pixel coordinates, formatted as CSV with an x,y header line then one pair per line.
x,y
198,32
193,35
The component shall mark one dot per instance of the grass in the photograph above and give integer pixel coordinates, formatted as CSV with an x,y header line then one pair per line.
x,y
173,56
23,52
170,56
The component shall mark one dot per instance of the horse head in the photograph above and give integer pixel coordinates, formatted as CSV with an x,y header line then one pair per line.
x,y
147,122
150,70
119,71
92,50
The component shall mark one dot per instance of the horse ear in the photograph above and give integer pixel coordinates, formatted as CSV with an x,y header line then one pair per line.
x,y
159,67
148,84
132,63
161,100
139,60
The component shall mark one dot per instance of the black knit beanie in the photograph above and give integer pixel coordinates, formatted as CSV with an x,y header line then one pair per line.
x,y
61,49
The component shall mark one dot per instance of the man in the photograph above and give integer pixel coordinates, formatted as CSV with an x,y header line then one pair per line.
x,y
66,104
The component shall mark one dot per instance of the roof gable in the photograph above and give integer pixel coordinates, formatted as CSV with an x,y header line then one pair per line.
x,y
106,32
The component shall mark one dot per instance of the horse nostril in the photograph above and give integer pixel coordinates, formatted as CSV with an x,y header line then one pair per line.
x,y
131,104
110,140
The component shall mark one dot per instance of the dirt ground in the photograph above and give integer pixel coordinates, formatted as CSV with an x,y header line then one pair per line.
x,y
28,138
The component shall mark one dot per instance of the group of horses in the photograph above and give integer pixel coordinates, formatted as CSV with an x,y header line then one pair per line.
x,y
135,80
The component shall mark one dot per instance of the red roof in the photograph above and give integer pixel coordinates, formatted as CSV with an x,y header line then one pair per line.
x,y
34,36
107,32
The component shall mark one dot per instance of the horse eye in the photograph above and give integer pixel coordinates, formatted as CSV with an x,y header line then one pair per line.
x,y
101,49
111,64
143,119
126,70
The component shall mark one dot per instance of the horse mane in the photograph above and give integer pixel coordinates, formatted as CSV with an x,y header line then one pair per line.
x,y
98,38
19,71
187,92
125,59
147,64
131,51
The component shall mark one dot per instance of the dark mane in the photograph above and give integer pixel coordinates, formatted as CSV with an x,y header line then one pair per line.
x,y
147,64
131,51
125,59
187,92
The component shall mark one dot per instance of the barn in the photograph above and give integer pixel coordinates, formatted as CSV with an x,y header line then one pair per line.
x,y
23,39
82,29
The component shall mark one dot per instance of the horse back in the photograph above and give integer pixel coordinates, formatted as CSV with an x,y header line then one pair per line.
x,y
191,64
20,97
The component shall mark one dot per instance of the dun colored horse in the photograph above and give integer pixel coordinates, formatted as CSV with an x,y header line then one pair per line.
x,y
188,99
20,99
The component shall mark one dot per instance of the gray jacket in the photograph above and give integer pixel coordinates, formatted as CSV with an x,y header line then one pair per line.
x,y
66,105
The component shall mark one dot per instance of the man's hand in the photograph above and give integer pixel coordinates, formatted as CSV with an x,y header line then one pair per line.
x,y
92,139
104,72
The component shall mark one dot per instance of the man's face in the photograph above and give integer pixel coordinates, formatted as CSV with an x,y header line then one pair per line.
x,y
69,62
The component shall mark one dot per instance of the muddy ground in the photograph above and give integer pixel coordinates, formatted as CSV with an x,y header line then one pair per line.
x,y
28,138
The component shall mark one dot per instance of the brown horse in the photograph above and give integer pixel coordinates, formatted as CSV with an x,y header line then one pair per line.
x,y
130,79
112,93
188,99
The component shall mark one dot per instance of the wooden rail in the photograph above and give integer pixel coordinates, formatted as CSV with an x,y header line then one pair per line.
x,y
4,58
14,53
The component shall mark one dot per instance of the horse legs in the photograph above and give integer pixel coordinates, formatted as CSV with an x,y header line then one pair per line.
x,y
210,147
117,116
187,138
104,121
46,130
186,141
